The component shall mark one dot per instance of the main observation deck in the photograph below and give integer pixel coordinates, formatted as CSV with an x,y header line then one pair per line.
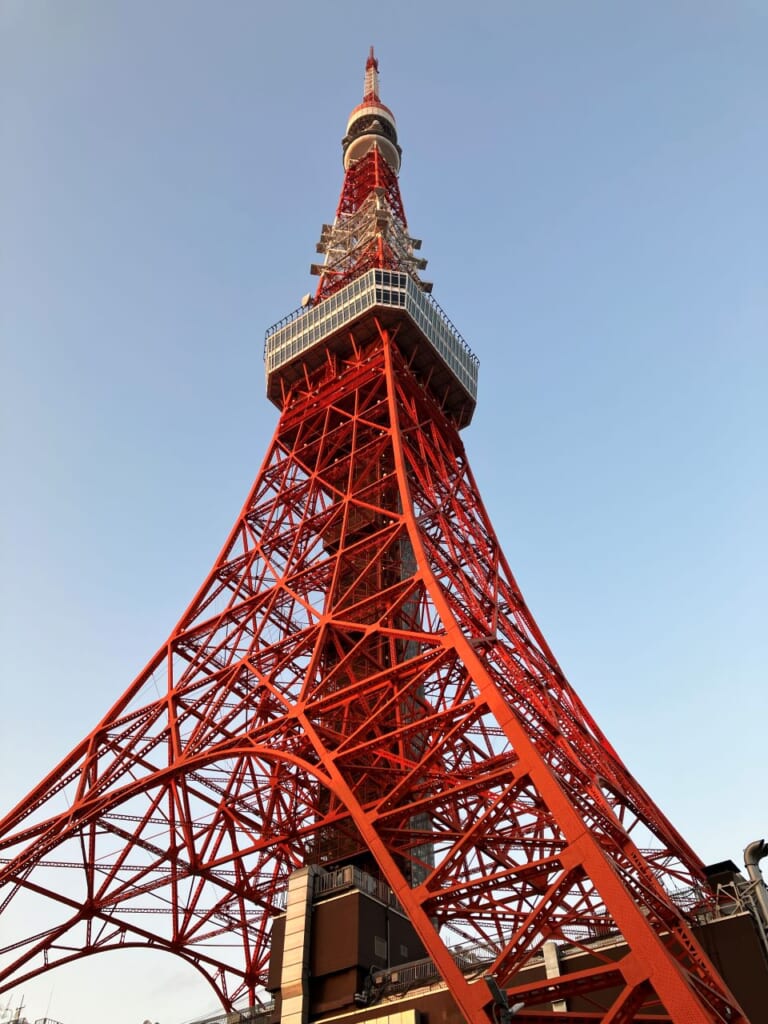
x,y
436,351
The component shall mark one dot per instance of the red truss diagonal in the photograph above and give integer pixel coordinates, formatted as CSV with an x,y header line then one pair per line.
x,y
372,241
370,173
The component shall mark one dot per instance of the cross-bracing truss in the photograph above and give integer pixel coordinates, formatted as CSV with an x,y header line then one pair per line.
x,y
359,672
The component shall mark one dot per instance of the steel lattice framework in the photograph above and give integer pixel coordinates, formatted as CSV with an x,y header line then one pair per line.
x,y
359,676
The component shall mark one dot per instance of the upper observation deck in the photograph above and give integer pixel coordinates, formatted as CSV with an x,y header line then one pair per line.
x,y
436,351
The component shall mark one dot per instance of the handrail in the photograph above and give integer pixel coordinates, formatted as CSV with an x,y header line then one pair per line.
x,y
304,328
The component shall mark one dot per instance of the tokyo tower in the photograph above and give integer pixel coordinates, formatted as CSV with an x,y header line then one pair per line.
x,y
359,682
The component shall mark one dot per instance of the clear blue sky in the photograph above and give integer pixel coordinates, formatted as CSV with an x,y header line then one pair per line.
x,y
589,180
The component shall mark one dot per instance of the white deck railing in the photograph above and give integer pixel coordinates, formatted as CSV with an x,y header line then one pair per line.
x,y
304,328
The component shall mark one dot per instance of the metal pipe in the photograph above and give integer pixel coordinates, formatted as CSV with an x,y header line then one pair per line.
x,y
753,854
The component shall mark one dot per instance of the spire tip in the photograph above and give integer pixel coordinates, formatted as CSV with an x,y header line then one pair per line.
x,y
371,88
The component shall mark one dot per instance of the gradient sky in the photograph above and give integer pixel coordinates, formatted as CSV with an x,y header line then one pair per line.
x,y
589,180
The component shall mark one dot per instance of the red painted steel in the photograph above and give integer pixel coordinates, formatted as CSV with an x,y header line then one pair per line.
x,y
369,174
360,679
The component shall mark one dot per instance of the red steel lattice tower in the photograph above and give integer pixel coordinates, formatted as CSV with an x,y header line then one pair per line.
x,y
359,680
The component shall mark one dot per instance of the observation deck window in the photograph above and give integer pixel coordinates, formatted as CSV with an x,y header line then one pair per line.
x,y
301,330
